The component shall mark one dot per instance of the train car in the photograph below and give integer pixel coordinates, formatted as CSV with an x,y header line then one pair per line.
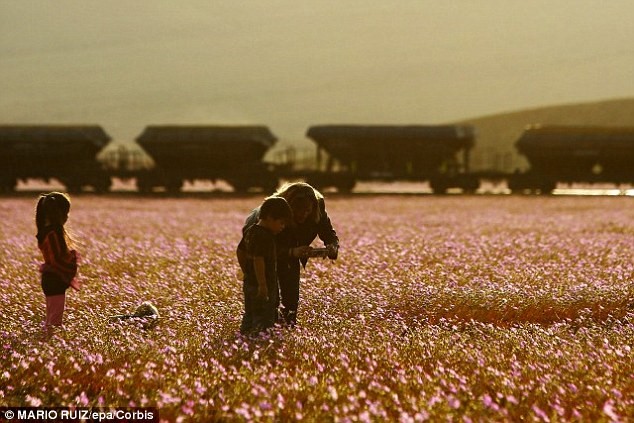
x,y
64,152
574,154
392,152
187,153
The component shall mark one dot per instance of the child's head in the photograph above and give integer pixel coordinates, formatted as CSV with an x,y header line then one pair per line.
x,y
275,213
52,209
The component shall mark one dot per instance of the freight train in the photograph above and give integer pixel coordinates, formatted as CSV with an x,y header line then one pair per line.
x,y
345,154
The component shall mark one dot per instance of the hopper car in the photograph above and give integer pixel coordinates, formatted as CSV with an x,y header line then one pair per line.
x,y
574,154
391,153
186,153
64,152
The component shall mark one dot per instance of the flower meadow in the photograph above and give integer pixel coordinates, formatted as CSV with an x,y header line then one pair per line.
x,y
456,308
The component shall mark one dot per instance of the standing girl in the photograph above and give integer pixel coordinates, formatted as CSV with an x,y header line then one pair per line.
x,y
60,262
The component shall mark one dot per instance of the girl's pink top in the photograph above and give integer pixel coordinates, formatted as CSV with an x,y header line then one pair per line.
x,y
58,259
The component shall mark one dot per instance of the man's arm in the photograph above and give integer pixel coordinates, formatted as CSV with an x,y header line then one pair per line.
x,y
324,228
327,233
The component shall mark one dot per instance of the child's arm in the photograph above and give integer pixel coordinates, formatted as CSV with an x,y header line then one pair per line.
x,y
57,256
260,275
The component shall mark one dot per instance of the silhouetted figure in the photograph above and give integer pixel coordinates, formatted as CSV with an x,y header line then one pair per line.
x,y
293,243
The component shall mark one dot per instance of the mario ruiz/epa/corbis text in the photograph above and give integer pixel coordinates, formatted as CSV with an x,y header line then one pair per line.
x,y
84,414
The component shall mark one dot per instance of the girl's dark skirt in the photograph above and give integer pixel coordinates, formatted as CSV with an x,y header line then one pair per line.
x,y
53,284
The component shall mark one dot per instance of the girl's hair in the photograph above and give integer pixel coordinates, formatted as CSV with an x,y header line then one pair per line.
x,y
52,210
296,193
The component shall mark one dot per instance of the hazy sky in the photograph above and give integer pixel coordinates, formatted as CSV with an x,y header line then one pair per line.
x,y
290,64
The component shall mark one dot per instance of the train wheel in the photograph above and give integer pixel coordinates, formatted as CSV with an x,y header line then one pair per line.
x,y
547,189
270,185
103,185
144,184
8,185
239,186
439,185
174,186
346,187
72,186
469,184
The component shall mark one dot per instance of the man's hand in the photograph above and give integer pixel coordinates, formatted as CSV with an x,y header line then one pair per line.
x,y
300,252
333,251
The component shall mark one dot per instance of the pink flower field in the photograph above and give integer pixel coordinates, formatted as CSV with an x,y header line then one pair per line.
x,y
475,308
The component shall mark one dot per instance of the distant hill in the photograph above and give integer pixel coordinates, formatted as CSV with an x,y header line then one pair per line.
x,y
497,133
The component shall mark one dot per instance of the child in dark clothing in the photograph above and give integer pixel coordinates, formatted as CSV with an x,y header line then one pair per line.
x,y
257,256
